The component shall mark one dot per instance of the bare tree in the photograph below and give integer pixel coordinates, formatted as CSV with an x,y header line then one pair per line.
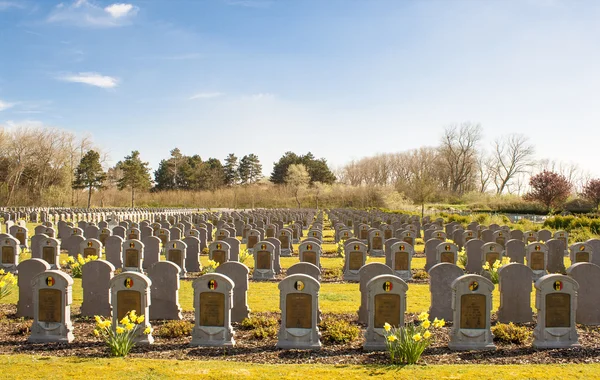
x,y
459,154
423,181
512,155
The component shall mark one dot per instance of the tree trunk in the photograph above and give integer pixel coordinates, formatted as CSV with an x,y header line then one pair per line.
x,y
422,210
132,195
89,196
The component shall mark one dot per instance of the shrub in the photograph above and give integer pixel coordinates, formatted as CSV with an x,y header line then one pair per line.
x,y
262,327
338,331
264,333
332,273
175,329
205,251
244,255
494,268
75,265
510,333
462,258
7,283
210,267
420,274
23,327
121,340
406,344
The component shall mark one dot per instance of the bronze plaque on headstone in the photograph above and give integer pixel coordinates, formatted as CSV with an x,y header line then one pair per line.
x,y
364,234
252,240
212,309
49,305
355,260
500,241
20,236
294,235
387,309
263,260
133,237
218,256
408,240
48,255
377,243
163,239
582,257
298,311
401,261
89,252
128,300
472,311
310,257
175,257
131,258
537,261
491,257
102,238
270,232
387,234
447,257
285,241
8,254
558,310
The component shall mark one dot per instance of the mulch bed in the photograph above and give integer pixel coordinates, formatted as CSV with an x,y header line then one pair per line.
x,y
14,334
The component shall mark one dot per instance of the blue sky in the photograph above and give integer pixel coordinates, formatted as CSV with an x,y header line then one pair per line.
x,y
343,79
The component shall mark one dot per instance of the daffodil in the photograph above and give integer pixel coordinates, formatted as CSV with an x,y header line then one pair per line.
x,y
120,330
125,320
426,334
148,330
140,319
417,337
426,323
129,326
132,315
98,319
387,327
392,338
2,272
2,284
96,333
423,316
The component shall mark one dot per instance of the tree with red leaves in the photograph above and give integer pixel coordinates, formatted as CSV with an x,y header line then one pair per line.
x,y
549,188
591,191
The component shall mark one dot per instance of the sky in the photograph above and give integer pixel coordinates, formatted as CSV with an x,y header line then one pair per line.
x,y
343,79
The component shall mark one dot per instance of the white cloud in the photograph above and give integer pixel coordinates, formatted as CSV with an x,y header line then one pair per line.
x,y
84,13
119,10
5,105
5,5
93,79
206,95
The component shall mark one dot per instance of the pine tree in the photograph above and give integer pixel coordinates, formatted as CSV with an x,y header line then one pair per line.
x,y
89,174
250,169
230,169
136,174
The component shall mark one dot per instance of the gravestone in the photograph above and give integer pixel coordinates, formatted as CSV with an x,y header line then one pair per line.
x,y
218,251
515,250
164,291
9,253
131,291
587,276
238,274
544,235
213,300
386,304
175,253
446,253
366,273
355,258
401,255
581,253
114,250
515,294
556,304
192,256
310,252
264,254
285,236
492,252
50,252
556,254
133,256
277,254
91,247
376,241
151,251
472,307
52,298
431,252
474,250
234,248
440,287
28,269
299,304
95,281
537,257
305,268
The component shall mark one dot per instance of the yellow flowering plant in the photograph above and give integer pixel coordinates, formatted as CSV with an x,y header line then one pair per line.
x,y
210,267
75,264
121,340
493,269
7,283
406,344
462,258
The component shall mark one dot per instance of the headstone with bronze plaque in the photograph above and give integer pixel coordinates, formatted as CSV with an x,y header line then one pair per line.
x,y
176,253
131,291
447,253
264,253
556,302
299,304
253,238
50,248
401,255
386,304
133,255
492,252
310,252
10,251
472,305
581,253
219,251
355,257
52,298
286,236
408,237
91,247
537,257
376,243
213,300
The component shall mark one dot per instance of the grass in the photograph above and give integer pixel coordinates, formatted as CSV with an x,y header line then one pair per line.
x,y
38,367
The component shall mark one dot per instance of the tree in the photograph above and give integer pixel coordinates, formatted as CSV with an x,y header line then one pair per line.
x,y
512,156
422,182
135,174
297,178
549,188
250,169
173,173
89,174
317,168
459,155
591,191
232,176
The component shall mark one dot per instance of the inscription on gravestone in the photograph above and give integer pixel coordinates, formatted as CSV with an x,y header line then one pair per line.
x,y
20,237
298,311
89,252
175,256
8,255
263,260
218,256
387,309
472,311
582,257
285,241
447,257
212,309
128,300
356,260
49,309
377,243
401,262
537,261
48,255
131,257
491,257
310,257
558,310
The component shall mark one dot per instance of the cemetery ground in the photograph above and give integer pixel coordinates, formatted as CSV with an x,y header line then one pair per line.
x,y
256,356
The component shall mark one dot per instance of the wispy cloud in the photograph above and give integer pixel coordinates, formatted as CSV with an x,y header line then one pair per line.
x,y
5,105
6,5
206,95
84,13
261,96
92,79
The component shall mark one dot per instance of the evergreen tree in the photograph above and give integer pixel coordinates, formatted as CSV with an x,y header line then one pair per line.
x,y
89,174
135,174
230,170
172,174
317,168
250,169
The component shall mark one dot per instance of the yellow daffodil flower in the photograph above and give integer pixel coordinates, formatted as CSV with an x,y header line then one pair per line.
x,y
392,338
426,323
387,327
120,330
417,337
427,334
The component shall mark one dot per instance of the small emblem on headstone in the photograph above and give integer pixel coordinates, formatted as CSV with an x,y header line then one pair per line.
x,y
299,285
473,286
128,282
50,281
558,285
387,286
212,284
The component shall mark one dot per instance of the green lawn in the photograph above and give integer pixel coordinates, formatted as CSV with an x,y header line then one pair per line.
x,y
38,367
